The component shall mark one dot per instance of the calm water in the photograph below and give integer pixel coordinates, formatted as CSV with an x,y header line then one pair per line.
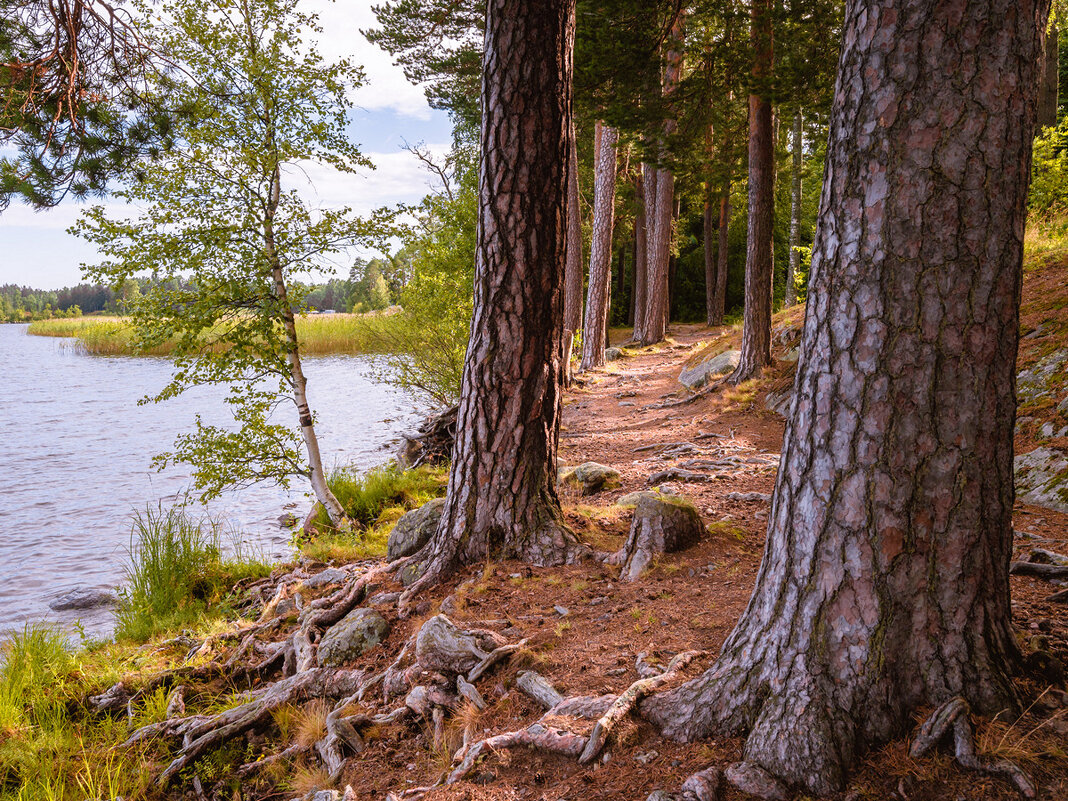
x,y
75,454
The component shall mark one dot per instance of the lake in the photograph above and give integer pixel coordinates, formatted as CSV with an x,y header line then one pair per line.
x,y
76,452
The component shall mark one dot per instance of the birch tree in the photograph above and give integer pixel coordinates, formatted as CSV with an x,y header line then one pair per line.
x,y
225,229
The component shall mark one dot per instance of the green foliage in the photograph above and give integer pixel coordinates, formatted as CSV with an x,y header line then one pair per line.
x,y
177,573
365,496
1049,173
221,235
425,346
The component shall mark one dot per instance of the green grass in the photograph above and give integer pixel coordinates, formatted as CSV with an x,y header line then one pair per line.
x,y
177,574
318,334
373,501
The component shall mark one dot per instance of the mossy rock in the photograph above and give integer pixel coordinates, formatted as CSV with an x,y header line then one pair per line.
x,y
414,529
590,477
355,634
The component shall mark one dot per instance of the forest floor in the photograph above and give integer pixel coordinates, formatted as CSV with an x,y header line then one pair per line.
x,y
585,629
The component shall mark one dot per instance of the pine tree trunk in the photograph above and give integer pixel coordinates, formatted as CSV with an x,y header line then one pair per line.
x,y
650,187
502,483
884,588
595,331
1049,86
641,261
710,220
794,263
719,304
756,322
573,269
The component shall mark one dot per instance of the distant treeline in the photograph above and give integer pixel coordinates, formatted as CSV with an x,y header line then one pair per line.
x,y
370,285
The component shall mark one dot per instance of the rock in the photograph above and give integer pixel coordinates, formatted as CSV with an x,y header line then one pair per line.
x,y
1062,407
632,498
748,496
414,529
1033,382
779,402
611,354
309,522
696,377
84,598
441,645
785,334
792,355
660,795
355,634
325,795
660,525
288,520
1046,430
591,477
1042,478
332,575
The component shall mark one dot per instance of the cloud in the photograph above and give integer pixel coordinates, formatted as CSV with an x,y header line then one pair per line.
x,y
385,87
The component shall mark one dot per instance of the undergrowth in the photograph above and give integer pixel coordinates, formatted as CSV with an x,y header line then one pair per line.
x,y
178,574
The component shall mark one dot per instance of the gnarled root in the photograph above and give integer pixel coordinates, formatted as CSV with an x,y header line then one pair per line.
x,y
953,717
754,780
628,700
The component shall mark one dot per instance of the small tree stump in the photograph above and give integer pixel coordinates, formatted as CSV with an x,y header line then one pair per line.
x,y
661,524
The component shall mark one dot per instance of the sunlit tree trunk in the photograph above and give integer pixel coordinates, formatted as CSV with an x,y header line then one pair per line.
x,y
641,272
756,323
573,269
884,588
297,379
794,262
502,483
595,331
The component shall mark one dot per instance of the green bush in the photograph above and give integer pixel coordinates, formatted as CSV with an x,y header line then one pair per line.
x,y
177,573
1049,172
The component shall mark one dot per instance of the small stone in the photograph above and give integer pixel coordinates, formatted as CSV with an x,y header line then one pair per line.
x,y
325,795
627,403
792,355
615,672
384,599
1046,430
84,598
561,610
591,477
699,375
355,634
612,354
647,757
659,795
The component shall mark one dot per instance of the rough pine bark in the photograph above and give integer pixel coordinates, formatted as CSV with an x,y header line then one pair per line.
x,y
595,331
710,221
647,284
1050,80
719,303
794,262
759,261
884,586
640,259
501,492
573,269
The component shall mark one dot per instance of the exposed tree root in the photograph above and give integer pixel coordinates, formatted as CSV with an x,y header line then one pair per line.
x,y
754,780
953,718
628,700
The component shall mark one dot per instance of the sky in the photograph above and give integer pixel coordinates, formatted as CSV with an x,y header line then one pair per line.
x,y
36,251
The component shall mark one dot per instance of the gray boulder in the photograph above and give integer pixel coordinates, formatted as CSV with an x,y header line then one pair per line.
x,y
324,578
633,498
84,598
1033,382
697,377
414,529
355,634
660,525
1042,478
611,354
591,477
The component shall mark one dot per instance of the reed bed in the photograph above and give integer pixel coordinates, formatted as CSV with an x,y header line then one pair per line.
x,y
319,334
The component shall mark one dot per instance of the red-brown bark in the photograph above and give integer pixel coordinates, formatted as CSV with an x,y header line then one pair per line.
x,y
884,587
573,269
595,331
759,258
502,484
638,302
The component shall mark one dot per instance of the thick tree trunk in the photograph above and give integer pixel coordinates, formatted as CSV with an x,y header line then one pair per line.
x,y
502,484
650,192
884,587
794,262
756,323
1050,81
595,331
573,268
641,259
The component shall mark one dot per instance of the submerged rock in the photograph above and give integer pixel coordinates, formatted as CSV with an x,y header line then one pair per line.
x,y
84,598
1042,478
414,529
591,477
355,634
696,377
